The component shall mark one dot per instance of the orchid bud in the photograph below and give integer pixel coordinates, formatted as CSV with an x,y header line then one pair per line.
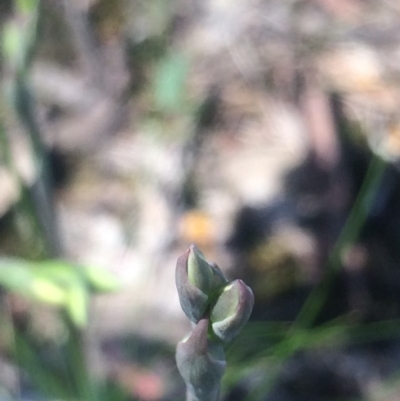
x,y
194,281
232,310
201,363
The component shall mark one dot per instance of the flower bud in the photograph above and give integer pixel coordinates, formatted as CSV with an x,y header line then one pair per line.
x,y
194,281
232,310
199,270
201,363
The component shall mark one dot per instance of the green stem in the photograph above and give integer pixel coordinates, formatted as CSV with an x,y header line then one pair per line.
x,y
21,100
351,230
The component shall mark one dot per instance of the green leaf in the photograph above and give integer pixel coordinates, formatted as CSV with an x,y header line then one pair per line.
x,y
56,282
15,275
100,279
65,272
77,304
19,276
47,291
60,271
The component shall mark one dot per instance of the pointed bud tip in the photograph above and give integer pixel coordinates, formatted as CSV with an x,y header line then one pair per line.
x,y
199,270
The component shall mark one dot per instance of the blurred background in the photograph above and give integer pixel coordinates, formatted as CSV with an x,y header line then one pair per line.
x,y
265,131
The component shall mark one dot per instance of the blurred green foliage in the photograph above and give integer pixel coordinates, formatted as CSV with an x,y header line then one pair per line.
x,y
18,35
63,286
170,83
56,282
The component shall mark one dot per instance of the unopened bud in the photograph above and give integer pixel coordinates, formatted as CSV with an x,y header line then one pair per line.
x,y
199,270
201,364
232,310
194,281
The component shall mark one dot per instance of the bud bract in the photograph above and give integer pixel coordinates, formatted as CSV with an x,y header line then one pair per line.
x,y
201,364
232,310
